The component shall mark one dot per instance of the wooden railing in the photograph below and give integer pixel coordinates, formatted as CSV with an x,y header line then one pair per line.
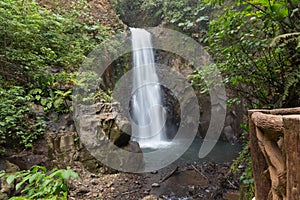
x,y
275,153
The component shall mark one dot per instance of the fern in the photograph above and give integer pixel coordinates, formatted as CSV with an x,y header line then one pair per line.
x,y
292,80
285,37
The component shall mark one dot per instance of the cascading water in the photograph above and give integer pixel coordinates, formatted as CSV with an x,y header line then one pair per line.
x,y
147,111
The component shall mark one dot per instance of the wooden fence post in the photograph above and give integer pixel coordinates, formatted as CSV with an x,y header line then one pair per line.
x,y
275,153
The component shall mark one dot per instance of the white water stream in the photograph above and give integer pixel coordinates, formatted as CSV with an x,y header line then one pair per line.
x,y
147,110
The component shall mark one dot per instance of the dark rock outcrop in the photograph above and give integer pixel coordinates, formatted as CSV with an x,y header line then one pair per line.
x,y
100,136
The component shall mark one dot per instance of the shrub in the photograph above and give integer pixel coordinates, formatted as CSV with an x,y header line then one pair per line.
x,y
17,122
37,183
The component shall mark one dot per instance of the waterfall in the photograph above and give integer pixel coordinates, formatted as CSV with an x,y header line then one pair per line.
x,y
148,115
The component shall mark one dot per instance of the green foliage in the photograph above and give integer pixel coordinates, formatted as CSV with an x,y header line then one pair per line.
x,y
37,39
45,47
205,80
189,15
54,91
87,88
260,69
244,159
37,183
246,178
17,122
133,14
40,50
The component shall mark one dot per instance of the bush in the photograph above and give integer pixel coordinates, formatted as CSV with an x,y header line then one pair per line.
x,y
256,47
17,123
36,39
37,183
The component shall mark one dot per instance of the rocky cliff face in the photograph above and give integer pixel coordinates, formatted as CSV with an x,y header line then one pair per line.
x,y
234,115
106,135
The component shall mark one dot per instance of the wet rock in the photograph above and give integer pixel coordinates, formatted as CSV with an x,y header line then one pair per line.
x,y
11,168
147,192
151,197
94,182
26,160
103,131
231,195
3,196
229,133
155,185
82,191
5,189
134,161
2,164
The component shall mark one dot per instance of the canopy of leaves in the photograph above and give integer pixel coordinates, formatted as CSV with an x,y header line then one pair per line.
x,y
256,46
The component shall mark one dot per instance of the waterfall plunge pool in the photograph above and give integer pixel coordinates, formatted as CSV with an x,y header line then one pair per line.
x,y
222,151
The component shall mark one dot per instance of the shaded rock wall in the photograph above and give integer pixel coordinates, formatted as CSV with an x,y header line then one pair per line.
x,y
63,145
105,133
235,115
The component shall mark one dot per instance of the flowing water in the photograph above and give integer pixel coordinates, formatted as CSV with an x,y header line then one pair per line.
x,y
148,114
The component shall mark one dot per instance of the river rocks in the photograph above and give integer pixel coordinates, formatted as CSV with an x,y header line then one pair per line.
x,y
2,164
5,189
151,197
231,195
155,185
25,160
134,161
187,183
10,167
